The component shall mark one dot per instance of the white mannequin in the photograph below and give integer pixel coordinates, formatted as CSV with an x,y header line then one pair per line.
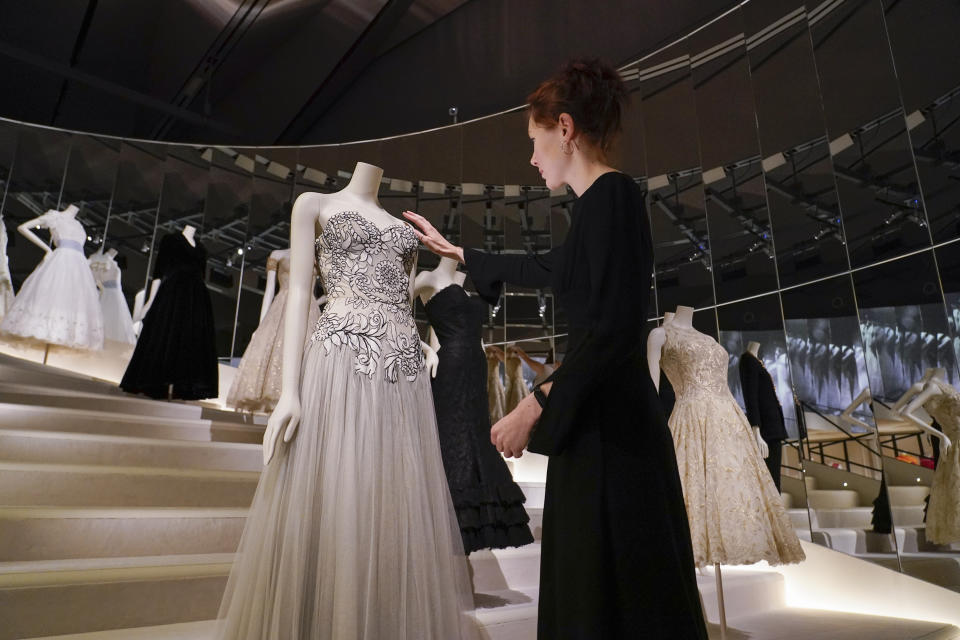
x,y
847,416
930,389
140,308
426,285
683,317
753,348
917,387
26,229
311,212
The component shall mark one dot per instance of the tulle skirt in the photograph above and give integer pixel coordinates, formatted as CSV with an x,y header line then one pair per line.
x,y
735,513
352,533
58,304
117,323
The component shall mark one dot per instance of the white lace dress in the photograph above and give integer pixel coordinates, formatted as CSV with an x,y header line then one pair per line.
x,y
735,512
352,533
943,512
117,322
6,285
58,303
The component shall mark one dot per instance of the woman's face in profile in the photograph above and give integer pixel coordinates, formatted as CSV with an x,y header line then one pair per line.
x,y
547,156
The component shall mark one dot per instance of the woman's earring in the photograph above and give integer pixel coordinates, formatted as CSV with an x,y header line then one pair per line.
x,y
565,148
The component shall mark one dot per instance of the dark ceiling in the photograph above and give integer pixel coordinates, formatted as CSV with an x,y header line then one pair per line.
x,y
300,71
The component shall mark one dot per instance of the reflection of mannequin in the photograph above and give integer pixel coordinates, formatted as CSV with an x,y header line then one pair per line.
x,y
717,454
117,323
847,416
6,285
496,392
515,384
426,285
176,354
942,402
256,385
763,407
354,476
140,308
489,505
58,302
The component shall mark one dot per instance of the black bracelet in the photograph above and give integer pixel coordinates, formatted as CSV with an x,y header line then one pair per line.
x,y
540,396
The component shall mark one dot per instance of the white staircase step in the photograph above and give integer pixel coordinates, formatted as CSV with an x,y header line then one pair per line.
x,y
534,493
509,614
788,500
536,521
833,498
791,624
145,425
810,482
745,591
908,496
86,448
852,518
52,396
911,516
72,596
51,533
202,630
32,484
499,569
799,518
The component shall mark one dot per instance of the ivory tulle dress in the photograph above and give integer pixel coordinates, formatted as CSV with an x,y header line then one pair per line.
x,y
735,513
58,303
352,533
117,323
256,386
6,285
943,513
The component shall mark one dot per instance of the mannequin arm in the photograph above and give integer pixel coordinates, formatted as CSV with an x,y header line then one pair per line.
x,y
430,359
537,367
654,347
268,293
930,390
432,340
26,230
906,397
761,443
286,415
140,313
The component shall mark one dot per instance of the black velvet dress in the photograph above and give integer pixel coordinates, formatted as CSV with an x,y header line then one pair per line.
x,y
177,343
489,504
616,555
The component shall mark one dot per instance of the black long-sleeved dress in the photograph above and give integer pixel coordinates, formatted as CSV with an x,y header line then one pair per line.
x,y
616,555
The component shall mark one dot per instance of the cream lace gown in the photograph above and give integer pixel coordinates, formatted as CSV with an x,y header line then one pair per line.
x,y
516,387
117,323
352,533
943,513
58,303
496,394
6,286
256,386
735,512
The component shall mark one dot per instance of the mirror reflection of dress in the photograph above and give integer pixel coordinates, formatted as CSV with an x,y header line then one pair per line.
x,y
117,323
256,386
489,504
58,302
177,344
516,386
943,512
6,285
735,513
496,394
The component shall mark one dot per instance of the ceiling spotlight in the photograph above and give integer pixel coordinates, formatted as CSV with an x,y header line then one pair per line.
x,y
240,251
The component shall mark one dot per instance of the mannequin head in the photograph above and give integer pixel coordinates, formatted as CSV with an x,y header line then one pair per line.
x,y
574,119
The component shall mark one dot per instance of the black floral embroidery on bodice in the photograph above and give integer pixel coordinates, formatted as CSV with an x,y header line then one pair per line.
x,y
366,274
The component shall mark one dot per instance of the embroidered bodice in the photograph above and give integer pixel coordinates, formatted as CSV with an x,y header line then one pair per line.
x,y
66,231
366,275
105,269
945,408
693,362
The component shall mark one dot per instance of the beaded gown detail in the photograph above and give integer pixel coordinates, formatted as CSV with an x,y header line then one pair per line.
x,y
256,386
58,302
943,512
489,504
6,284
735,513
352,534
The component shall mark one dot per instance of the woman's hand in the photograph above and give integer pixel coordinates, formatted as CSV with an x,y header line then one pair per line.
x,y
432,239
512,432
285,418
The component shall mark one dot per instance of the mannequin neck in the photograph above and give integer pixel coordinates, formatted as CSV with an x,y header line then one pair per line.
x,y
71,211
447,268
111,252
683,317
754,349
365,183
189,232
668,317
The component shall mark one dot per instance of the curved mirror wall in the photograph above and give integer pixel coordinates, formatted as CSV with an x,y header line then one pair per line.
x,y
802,166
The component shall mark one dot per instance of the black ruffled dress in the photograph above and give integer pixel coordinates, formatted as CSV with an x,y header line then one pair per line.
x,y
489,504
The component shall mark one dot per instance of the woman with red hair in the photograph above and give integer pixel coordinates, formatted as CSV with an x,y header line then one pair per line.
x,y
616,555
